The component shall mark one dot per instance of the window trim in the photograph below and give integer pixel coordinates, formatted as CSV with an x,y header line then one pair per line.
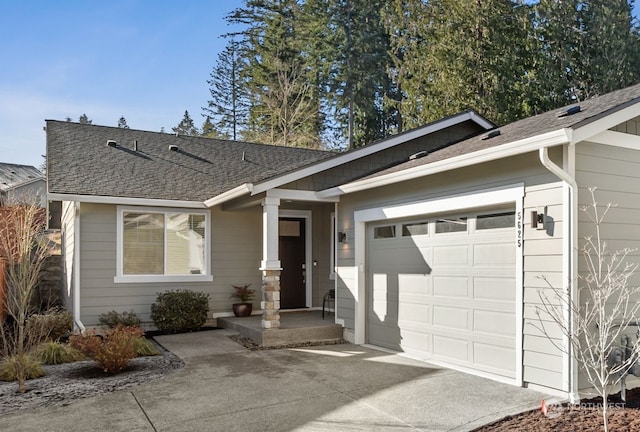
x,y
122,278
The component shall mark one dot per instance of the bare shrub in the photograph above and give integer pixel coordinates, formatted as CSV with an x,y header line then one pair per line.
x,y
25,247
112,351
599,319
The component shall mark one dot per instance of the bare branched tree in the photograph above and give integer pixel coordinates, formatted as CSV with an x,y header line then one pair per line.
x,y
605,311
24,247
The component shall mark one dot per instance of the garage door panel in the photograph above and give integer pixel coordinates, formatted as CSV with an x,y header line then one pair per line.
x,y
451,255
496,323
451,286
415,312
446,296
493,358
451,348
450,317
414,283
494,255
492,288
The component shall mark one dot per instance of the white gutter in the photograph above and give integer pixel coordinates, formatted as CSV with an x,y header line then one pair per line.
x,y
570,267
76,267
150,202
236,192
557,137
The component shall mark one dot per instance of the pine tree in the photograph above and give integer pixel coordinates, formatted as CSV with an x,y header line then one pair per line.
x,y
122,123
186,126
84,119
229,103
209,130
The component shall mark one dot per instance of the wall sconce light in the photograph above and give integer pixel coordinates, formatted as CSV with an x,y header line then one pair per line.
x,y
539,218
342,237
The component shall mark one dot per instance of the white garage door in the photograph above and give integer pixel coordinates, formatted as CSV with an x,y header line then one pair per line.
x,y
443,288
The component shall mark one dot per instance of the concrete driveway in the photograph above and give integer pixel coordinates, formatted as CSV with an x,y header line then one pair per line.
x,y
225,387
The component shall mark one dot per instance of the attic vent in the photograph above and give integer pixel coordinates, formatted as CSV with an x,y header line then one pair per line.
x,y
418,155
173,147
494,133
570,111
111,143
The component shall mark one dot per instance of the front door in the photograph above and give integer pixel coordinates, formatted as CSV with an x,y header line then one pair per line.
x,y
293,259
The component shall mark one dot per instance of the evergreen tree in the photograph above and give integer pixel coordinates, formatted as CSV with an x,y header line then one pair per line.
x,y
456,54
586,48
209,130
122,123
84,119
229,104
186,126
281,106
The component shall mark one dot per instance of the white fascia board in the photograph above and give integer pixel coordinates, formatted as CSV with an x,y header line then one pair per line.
x,y
299,195
96,199
236,192
371,149
587,131
557,137
617,139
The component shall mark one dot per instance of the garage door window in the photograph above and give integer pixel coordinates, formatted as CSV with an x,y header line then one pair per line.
x,y
496,220
449,225
388,231
415,229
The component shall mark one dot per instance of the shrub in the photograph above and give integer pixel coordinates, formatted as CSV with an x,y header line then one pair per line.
x,y
9,368
56,323
144,347
52,353
180,310
113,319
112,351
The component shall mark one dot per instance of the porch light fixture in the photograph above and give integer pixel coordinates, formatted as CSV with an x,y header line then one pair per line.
x,y
342,237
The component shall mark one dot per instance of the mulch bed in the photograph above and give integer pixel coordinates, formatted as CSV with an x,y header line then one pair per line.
x,y
67,382
585,417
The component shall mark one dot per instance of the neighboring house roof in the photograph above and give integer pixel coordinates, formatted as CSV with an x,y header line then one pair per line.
x,y
14,175
554,127
142,165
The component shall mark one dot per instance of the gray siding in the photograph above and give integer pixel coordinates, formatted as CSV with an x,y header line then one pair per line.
x,y
235,253
542,250
631,126
615,172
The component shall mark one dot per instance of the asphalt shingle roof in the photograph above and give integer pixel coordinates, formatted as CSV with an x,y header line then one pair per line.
x,y
591,110
79,162
12,175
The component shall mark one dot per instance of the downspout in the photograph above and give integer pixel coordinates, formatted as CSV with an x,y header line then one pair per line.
x,y
570,270
76,267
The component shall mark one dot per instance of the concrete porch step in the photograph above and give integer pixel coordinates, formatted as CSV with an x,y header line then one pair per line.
x,y
295,328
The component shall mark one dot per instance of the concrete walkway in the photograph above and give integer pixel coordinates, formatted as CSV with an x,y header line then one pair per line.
x,y
225,387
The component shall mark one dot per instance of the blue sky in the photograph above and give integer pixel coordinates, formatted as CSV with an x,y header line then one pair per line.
x,y
148,60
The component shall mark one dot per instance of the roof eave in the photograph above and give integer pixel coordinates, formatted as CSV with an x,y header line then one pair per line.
x,y
361,152
237,192
553,138
150,202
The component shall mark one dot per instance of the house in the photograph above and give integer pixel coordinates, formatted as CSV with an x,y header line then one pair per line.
x,y
434,239
21,181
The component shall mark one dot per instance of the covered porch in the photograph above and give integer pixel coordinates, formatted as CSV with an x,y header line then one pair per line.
x,y
296,327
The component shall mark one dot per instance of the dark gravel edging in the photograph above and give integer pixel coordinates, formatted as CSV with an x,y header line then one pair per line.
x,y
253,346
67,382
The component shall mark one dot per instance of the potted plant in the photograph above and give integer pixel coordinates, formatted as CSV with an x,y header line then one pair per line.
x,y
245,295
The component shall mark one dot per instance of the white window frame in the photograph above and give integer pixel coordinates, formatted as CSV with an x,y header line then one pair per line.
x,y
123,278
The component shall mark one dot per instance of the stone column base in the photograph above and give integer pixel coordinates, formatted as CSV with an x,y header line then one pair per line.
x,y
270,303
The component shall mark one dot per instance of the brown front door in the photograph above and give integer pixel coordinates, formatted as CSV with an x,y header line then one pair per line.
x,y
293,259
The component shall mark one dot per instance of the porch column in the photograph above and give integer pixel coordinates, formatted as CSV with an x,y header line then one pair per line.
x,y
270,264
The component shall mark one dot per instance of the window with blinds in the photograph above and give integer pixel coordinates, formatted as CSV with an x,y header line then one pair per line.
x,y
163,243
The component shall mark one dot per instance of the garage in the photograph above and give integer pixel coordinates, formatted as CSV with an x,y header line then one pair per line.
x,y
443,288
